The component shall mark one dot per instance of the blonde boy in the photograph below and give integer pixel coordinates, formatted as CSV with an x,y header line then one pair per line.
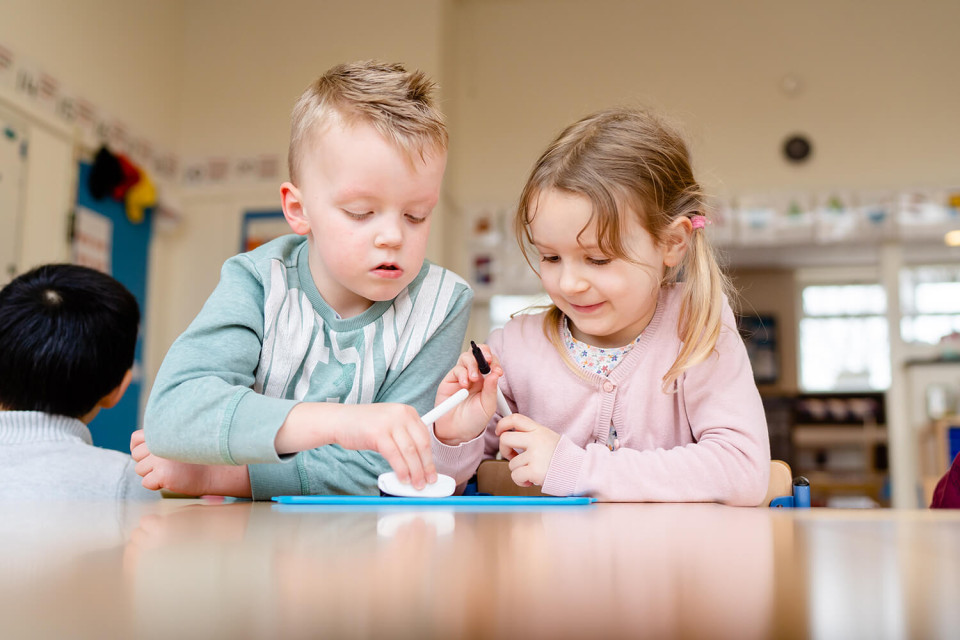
x,y
307,368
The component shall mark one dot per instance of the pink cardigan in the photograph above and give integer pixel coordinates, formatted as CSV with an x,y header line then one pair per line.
x,y
707,442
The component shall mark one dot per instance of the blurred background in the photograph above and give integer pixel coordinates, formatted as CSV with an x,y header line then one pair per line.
x,y
826,130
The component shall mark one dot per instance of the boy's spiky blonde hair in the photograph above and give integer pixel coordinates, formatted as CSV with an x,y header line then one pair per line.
x,y
397,103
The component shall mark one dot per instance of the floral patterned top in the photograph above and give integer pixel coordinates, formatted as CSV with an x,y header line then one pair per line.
x,y
594,359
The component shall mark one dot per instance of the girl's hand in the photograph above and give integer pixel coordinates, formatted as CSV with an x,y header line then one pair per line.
x,y
529,447
470,417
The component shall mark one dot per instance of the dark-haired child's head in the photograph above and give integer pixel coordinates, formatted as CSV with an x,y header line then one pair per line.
x,y
67,340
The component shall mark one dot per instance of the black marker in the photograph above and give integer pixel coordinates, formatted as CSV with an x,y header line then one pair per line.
x,y
481,361
484,367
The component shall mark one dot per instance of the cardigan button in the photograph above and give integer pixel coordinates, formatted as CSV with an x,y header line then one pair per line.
x,y
609,386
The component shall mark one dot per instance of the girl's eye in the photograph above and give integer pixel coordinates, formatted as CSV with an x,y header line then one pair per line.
x,y
599,261
549,258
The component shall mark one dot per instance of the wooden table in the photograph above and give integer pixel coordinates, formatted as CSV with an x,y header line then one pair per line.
x,y
193,569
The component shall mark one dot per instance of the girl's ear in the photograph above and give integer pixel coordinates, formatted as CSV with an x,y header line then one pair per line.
x,y
292,203
676,241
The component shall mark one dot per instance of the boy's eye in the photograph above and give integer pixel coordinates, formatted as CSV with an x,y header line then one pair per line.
x,y
416,219
356,215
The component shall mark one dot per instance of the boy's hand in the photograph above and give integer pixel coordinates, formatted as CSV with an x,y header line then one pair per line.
x,y
536,444
185,478
393,430
396,432
471,416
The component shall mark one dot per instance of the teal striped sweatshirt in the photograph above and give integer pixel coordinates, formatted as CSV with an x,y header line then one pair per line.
x,y
265,340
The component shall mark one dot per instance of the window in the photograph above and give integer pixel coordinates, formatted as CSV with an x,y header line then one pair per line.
x,y
844,345
844,340
929,302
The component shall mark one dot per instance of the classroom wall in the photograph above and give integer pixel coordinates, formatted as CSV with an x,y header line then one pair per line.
x,y
122,56
125,57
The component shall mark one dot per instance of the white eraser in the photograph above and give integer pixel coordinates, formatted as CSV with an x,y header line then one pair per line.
x,y
391,485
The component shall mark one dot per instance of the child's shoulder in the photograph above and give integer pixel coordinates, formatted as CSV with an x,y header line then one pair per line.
x,y
433,270
671,299
947,493
436,280
289,252
286,247
524,327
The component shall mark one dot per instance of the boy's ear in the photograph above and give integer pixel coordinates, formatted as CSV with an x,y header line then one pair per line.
x,y
676,241
111,399
292,203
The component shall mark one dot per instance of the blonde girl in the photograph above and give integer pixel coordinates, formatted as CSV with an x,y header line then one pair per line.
x,y
634,385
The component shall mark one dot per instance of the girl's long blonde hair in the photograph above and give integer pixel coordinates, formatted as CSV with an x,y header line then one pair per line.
x,y
630,160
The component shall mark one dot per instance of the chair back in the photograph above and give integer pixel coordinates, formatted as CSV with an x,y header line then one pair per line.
x,y
781,482
493,477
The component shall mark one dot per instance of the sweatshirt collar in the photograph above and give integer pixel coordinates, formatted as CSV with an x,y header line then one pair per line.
x,y
19,427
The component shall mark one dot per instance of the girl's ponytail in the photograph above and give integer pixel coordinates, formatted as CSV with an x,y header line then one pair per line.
x,y
704,287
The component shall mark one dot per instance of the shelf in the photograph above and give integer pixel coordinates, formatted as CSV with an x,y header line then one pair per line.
x,y
826,486
838,441
846,479
837,435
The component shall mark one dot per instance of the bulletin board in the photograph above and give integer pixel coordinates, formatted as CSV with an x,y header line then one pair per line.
x,y
759,333
260,227
124,256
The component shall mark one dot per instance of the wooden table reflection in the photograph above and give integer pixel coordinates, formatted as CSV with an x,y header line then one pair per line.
x,y
195,569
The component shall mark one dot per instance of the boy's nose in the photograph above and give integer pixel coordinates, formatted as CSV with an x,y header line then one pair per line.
x,y
389,234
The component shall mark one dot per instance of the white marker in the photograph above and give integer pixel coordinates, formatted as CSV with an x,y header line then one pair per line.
x,y
441,409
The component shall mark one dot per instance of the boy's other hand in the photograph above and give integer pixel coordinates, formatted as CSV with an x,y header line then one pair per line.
x,y
469,418
185,478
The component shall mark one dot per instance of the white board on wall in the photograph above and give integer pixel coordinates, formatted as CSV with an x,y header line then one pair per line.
x,y
13,161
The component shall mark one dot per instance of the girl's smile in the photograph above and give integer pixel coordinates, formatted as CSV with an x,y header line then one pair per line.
x,y
587,308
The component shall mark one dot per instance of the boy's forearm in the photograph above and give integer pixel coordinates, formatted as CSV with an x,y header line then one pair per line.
x,y
228,480
309,425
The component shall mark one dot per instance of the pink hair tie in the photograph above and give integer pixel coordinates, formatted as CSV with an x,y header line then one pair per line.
x,y
699,222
